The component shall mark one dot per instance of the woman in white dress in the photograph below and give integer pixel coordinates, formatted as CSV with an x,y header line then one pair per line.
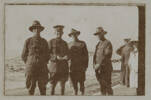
x,y
133,64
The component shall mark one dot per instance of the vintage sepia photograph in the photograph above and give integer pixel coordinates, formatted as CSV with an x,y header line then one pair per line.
x,y
74,49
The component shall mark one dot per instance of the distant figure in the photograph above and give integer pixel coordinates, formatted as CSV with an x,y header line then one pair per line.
x,y
133,64
58,63
124,52
78,54
35,55
102,62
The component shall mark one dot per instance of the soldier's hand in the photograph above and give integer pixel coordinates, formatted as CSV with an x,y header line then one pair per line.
x,y
59,58
65,58
53,57
97,66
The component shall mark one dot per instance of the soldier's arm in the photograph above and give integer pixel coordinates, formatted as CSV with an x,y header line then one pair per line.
x,y
85,55
66,57
51,57
25,51
108,50
46,49
69,50
119,51
96,66
94,56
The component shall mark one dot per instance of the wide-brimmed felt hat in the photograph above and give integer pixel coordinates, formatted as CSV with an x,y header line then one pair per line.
x,y
74,32
100,30
36,24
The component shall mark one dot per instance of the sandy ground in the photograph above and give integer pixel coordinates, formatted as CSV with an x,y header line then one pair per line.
x,y
15,85
15,81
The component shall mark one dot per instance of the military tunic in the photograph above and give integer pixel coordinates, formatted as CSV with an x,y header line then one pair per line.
x,y
35,55
124,52
58,69
102,56
78,54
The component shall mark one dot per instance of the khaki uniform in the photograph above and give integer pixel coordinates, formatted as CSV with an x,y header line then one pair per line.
x,y
102,57
35,55
78,54
124,52
58,69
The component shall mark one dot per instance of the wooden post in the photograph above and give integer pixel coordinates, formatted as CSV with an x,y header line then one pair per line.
x,y
141,46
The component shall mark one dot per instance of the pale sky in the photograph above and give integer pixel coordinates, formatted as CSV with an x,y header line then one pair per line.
x,y
119,21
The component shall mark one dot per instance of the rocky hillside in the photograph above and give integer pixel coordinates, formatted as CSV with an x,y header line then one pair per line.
x,y
14,64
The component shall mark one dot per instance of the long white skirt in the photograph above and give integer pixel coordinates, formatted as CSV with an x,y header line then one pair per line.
x,y
133,64
133,79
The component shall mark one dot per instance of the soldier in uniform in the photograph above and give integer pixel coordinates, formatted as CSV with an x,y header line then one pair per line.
x,y
58,63
35,55
78,54
102,62
124,52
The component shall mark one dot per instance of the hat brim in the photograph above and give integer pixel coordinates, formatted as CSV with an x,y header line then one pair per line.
x,y
33,27
70,34
127,40
61,26
97,33
134,42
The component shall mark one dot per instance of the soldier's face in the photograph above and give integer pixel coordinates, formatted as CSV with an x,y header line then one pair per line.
x,y
59,34
74,37
126,42
100,36
36,30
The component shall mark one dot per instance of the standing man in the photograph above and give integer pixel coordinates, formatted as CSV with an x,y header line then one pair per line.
x,y
124,52
78,54
102,62
35,55
58,65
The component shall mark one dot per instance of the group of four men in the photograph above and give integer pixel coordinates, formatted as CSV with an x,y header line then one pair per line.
x,y
55,61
